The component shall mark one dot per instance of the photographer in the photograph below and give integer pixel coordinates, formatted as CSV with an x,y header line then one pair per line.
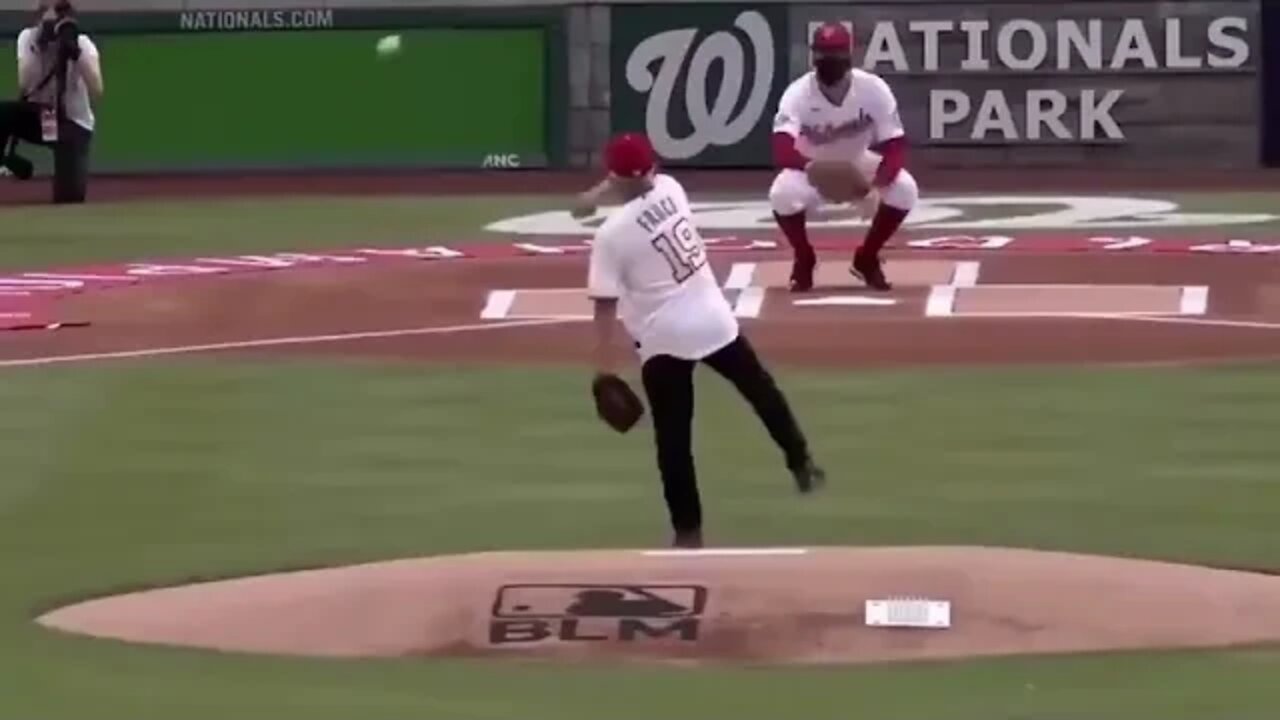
x,y
58,72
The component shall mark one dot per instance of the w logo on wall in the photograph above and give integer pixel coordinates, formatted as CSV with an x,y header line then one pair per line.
x,y
702,81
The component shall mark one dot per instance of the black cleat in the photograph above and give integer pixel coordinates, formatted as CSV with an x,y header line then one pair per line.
x,y
801,284
802,275
809,477
16,166
690,539
868,269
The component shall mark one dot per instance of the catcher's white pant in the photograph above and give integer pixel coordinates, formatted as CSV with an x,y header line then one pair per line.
x,y
792,193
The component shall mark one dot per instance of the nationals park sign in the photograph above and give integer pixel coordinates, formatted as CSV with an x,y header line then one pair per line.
x,y
703,80
1050,73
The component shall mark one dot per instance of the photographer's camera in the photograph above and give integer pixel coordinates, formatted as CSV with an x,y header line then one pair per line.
x,y
59,73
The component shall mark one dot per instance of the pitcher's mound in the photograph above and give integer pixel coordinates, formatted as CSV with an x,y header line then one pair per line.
x,y
780,605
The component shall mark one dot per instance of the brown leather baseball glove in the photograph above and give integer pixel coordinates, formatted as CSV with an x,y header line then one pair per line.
x,y
837,182
616,403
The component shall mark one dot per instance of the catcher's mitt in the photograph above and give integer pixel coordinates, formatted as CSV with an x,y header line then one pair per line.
x,y
616,403
837,182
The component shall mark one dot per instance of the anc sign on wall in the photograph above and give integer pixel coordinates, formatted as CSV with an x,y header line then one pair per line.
x,y
702,80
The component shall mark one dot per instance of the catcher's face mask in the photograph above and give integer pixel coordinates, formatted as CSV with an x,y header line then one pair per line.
x,y
831,68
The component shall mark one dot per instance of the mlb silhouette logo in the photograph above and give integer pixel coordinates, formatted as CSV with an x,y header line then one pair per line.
x,y
612,601
533,614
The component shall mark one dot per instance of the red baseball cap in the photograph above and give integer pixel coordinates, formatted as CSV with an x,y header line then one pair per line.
x,y
629,154
832,37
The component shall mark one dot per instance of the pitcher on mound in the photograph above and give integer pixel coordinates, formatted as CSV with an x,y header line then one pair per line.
x,y
837,137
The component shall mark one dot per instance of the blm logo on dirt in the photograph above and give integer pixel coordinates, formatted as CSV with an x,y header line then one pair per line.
x,y
525,614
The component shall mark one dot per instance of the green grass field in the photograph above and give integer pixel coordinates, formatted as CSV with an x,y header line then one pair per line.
x,y
132,474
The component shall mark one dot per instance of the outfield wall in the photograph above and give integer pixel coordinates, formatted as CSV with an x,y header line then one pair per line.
x,y
1001,83
302,88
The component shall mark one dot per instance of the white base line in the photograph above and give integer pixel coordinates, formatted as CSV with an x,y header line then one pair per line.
x,y
750,301
723,552
275,342
1064,314
1208,322
574,291
558,317
1073,286
1195,300
1167,318
942,301
498,306
740,276
966,274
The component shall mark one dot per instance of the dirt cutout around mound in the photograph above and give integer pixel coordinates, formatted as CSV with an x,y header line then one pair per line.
x,y
783,605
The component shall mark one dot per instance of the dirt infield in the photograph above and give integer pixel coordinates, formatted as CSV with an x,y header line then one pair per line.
x,y
948,307
732,605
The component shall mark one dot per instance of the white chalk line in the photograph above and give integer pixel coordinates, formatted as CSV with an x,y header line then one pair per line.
x,y
1192,300
942,298
941,302
280,341
1003,287
750,301
725,552
1195,300
1184,320
554,292
498,305
1057,314
966,274
1166,318
561,317
741,276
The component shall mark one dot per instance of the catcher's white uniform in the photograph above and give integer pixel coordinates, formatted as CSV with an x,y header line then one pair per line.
x,y
867,116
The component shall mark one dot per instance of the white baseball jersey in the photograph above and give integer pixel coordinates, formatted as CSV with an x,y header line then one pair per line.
x,y
650,257
868,115
76,98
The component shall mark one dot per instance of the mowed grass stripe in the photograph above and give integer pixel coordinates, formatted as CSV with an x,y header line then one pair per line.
x,y
159,472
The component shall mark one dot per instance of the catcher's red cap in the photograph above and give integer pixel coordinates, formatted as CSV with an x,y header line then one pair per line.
x,y
832,37
629,154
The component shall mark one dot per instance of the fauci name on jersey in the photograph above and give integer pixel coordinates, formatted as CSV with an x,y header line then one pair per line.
x,y
652,217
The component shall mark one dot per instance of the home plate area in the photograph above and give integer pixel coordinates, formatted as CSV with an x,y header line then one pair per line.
x,y
923,288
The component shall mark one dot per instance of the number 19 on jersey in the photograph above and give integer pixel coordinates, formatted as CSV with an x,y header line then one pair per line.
x,y
682,249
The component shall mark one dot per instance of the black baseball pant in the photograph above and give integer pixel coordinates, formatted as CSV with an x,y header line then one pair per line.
x,y
70,152
668,383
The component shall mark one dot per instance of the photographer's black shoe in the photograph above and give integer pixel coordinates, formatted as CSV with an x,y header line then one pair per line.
x,y
17,166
